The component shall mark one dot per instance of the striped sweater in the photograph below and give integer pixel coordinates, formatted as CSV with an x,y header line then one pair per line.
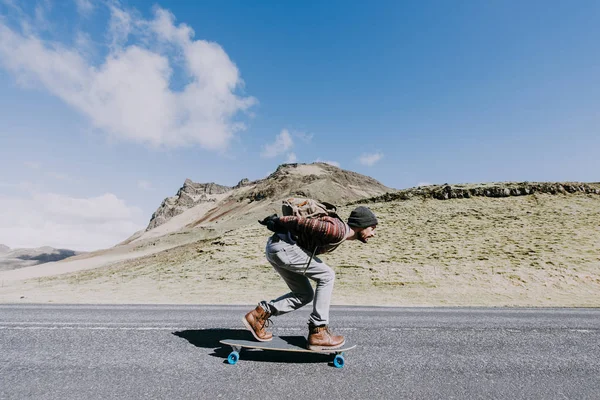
x,y
325,233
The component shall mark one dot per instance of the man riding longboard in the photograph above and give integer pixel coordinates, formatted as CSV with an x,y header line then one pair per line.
x,y
291,251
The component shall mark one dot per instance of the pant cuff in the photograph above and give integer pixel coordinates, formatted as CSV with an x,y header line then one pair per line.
x,y
268,308
319,322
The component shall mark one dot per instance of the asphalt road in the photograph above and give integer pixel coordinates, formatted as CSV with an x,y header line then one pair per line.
x,y
172,352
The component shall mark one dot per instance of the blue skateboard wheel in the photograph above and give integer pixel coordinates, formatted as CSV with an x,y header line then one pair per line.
x,y
233,358
338,361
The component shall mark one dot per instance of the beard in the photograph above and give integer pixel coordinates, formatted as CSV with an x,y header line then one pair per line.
x,y
362,237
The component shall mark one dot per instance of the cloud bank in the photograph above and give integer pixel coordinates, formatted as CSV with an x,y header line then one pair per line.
x,y
49,219
129,92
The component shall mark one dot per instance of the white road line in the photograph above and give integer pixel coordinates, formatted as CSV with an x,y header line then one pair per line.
x,y
90,326
96,328
135,328
73,323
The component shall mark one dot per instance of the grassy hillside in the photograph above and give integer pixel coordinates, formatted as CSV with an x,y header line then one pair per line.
x,y
533,250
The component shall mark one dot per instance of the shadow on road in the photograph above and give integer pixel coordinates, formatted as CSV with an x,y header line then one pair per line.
x,y
209,338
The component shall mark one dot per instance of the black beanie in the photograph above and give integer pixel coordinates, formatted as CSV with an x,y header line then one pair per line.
x,y
362,217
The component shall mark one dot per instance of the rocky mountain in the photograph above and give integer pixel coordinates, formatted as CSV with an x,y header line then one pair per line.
x,y
202,212
23,257
226,204
319,180
188,196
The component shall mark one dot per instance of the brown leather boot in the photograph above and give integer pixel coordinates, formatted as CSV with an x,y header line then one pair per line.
x,y
256,321
321,338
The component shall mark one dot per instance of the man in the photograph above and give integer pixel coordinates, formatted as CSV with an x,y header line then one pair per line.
x,y
291,252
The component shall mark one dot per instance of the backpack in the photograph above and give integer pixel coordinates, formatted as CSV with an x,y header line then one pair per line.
x,y
307,208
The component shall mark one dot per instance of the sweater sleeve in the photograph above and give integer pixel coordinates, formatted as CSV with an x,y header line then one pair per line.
x,y
323,231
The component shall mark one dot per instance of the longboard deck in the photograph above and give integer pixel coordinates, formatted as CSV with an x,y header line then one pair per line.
x,y
284,343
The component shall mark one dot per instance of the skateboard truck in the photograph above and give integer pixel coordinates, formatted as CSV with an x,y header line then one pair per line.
x,y
234,356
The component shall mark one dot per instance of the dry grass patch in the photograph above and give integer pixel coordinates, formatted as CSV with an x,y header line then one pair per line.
x,y
538,250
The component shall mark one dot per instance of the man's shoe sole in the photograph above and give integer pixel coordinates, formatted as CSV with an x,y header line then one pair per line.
x,y
249,327
326,348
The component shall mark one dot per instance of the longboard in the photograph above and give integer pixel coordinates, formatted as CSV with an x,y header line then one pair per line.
x,y
295,344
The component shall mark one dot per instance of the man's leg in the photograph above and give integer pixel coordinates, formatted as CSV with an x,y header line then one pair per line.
x,y
300,295
280,255
324,276
295,267
319,335
290,261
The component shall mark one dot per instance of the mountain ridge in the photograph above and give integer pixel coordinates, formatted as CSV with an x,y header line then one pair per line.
x,y
483,244
493,189
317,180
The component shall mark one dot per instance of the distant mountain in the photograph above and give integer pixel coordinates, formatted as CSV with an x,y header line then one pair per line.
x,y
20,258
204,211
188,196
320,181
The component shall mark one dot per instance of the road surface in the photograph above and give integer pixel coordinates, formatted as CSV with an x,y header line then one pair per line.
x,y
160,352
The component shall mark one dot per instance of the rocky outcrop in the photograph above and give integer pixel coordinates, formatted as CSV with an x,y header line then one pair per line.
x,y
4,249
446,192
242,183
189,195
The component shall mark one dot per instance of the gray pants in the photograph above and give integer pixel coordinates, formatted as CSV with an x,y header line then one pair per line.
x,y
290,261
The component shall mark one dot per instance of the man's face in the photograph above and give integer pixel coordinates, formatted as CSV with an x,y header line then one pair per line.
x,y
367,233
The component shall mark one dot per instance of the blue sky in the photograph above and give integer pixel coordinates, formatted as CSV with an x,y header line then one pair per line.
x,y
106,107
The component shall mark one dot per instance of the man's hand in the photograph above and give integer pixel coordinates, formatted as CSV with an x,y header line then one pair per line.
x,y
273,224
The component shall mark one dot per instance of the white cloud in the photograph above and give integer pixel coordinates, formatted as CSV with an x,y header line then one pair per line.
x,y
283,143
119,27
305,137
84,44
41,19
145,185
49,219
84,7
424,184
291,158
334,163
128,94
370,159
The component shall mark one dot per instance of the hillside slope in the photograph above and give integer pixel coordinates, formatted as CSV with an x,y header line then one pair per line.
x,y
201,212
530,250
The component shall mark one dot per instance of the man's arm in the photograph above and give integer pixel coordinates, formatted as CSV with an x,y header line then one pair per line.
x,y
327,229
